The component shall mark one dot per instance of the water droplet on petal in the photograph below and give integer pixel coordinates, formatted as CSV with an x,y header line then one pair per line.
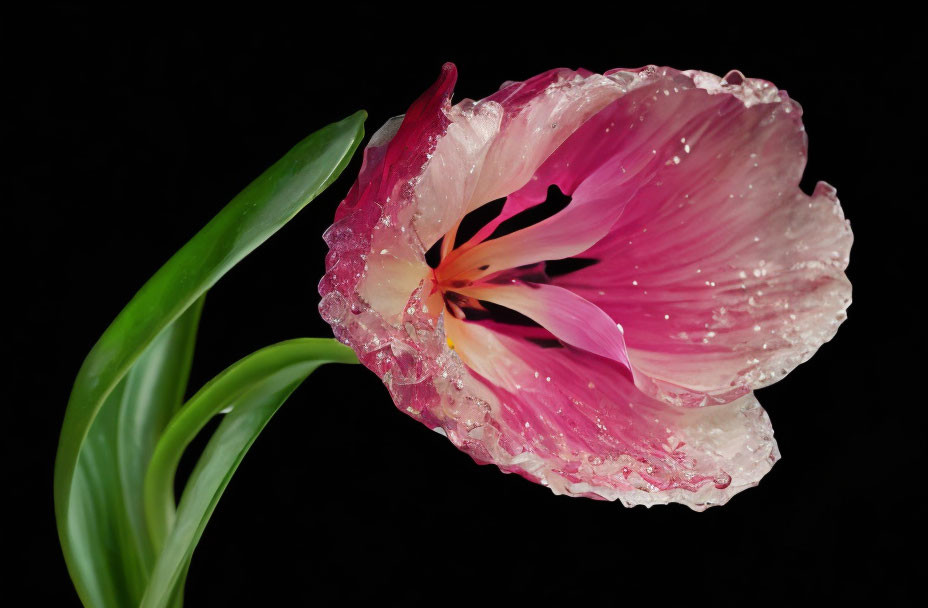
x,y
722,480
333,307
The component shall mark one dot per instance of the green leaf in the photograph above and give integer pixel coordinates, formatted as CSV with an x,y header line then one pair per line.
x,y
154,390
97,515
254,388
111,526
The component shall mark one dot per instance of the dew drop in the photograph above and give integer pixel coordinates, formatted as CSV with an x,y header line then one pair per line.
x,y
722,480
333,307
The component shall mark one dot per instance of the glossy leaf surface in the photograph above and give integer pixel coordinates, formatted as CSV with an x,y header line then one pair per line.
x,y
254,388
131,379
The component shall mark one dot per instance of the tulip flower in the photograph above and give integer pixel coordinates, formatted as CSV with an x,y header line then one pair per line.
x,y
706,274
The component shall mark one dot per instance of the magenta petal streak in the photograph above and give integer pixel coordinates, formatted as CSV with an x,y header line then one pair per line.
x,y
629,379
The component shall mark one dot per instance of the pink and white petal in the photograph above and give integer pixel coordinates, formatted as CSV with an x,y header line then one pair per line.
x,y
452,175
748,313
493,147
375,263
724,274
585,221
602,166
397,152
566,315
575,423
539,115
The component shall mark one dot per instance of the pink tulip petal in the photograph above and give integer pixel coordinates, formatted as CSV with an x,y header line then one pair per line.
x,y
493,147
397,152
679,146
724,274
578,227
567,316
598,145
374,262
575,423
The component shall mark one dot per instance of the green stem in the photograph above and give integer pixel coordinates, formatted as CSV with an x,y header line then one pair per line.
x,y
218,394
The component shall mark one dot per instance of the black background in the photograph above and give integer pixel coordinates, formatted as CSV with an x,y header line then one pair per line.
x,y
126,132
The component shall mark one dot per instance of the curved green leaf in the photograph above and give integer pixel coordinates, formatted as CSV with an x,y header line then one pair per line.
x,y
154,390
95,525
254,388
110,525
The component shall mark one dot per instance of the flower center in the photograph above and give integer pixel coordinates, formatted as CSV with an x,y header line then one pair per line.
x,y
486,223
